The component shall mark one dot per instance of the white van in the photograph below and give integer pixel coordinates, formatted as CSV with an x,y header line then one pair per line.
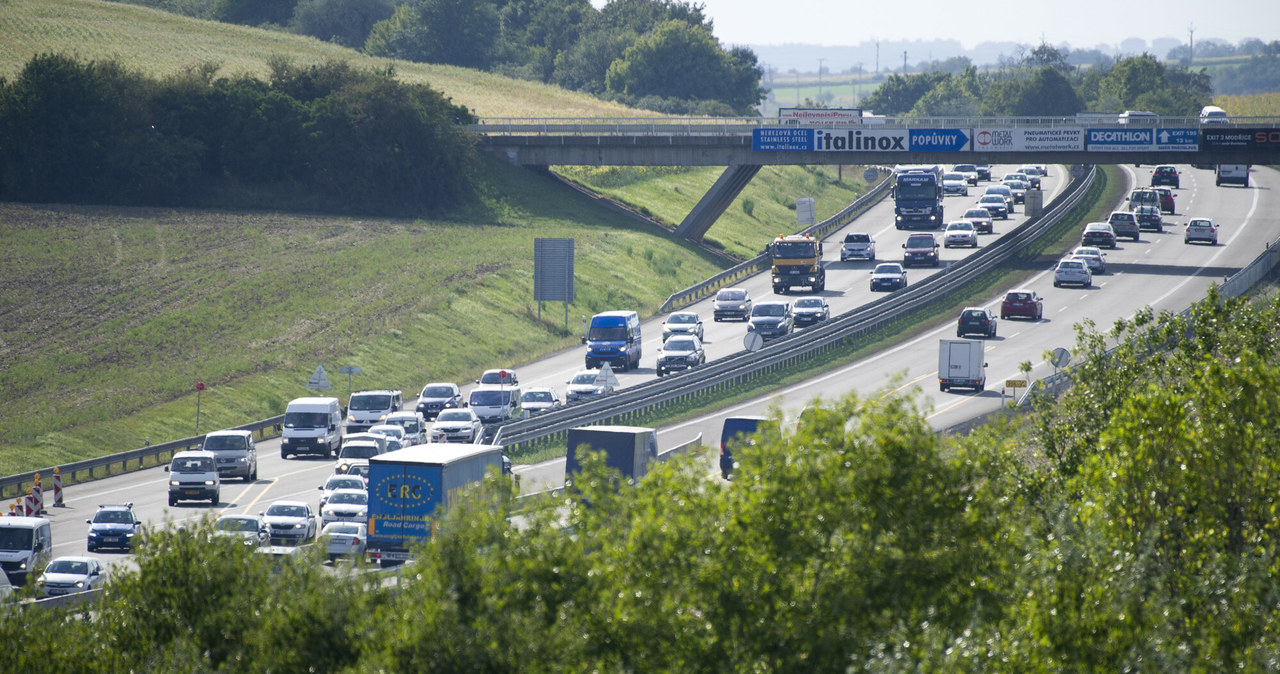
x,y
1139,118
193,476
26,543
494,404
237,456
1232,174
369,408
312,426
1212,114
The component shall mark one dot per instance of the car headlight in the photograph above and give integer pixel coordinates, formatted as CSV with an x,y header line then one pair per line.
x,y
299,525
173,483
351,417
40,582
79,583
208,483
284,441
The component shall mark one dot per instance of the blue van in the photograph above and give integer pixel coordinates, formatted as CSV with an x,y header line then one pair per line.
x,y
737,430
613,337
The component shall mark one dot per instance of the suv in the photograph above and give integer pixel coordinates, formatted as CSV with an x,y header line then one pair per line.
x,y
1124,223
920,249
1165,175
193,476
731,303
771,319
682,352
738,430
113,526
236,456
858,246
976,320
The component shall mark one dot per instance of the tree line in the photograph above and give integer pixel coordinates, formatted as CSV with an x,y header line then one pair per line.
x,y
655,54
1129,525
327,137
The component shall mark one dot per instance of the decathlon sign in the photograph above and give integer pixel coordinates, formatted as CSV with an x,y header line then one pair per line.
x,y
1120,140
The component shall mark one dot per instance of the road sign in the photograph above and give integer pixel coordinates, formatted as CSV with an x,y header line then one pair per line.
x,y
605,377
1015,383
1060,357
871,175
1182,140
753,341
319,380
1120,140
199,386
939,140
349,369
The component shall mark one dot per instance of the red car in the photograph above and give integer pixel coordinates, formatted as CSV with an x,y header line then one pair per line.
x,y
1166,199
1022,302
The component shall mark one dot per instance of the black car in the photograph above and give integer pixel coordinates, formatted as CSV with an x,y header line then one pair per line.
x,y
809,310
771,319
976,321
1165,175
113,526
1149,218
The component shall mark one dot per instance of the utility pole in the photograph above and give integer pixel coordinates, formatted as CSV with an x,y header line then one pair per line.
x,y
877,58
819,101
904,63
856,82
1191,44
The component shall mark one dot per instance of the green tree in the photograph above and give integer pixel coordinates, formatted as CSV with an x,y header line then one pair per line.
x,y
956,95
254,12
898,94
345,22
678,60
457,32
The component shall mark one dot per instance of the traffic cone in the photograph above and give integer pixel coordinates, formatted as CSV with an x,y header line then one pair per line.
x,y
57,489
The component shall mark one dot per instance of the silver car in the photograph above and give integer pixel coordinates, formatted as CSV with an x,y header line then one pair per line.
x,y
1072,272
346,505
344,539
682,323
1201,229
290,522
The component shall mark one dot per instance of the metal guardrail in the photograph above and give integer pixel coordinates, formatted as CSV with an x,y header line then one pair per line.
x,y
629,405
761,262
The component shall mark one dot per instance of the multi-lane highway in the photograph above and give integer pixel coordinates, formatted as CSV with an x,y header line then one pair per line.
x,y
1159,271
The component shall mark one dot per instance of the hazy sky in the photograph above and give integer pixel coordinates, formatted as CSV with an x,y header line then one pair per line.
x,y
1081,23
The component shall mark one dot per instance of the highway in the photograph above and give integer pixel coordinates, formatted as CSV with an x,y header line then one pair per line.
x,y
1159,271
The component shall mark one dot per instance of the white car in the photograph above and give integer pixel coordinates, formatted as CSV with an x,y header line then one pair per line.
x,y
345,539
69,575
540,399
413,424
460,425
1201,229
955,183
1072,272
393,432
290,522
583,386
960,233
250,529
337,482
682,323
858,246
346,505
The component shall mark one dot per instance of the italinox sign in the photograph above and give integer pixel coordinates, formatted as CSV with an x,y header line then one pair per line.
x,y
861,140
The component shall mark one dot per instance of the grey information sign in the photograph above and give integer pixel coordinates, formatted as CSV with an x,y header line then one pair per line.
x,y
870,175
553,270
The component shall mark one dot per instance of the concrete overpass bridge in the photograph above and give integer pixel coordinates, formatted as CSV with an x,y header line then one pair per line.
x,y
744,145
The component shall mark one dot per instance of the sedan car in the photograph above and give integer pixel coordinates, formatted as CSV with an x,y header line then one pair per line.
x,y
460,425
537,400
413,424
346,505
1072,272
771,319
589,384
1003,191
1093,257
995,205
1149,218
290,522
960,233
113,526
1022,302
888,276
681,353
810,310
1165,174
1018,187
345,539
955,183
69,575
438,396
981,219
858,246
682,323
984,171
731,303
976,321
392,432
252,530
1099,234
1201,229
338,482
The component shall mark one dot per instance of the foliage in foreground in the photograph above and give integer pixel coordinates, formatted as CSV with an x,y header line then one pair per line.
x,y
1129,526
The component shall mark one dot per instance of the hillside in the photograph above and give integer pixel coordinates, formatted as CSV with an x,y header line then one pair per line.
x,y
110,315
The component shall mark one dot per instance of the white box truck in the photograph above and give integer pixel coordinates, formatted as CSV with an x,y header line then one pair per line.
x,y
960,364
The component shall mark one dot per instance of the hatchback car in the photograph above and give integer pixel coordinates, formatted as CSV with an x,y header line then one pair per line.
x,y
858,246
70,575
1031,175
1018,187
981,219
539,400
955,183
346,505
338,482
438,396
460,425
731,303
1201,229
960,233
587,385
251,530
1072,272
344,539
1093,257
771,319
113,526
920,249
976,321
1149,218
1004,191
888,276
503,376
1124,223
1166,199
1098,234
995,205
290,522
682,323
1166,175
810,310
682,353
1022,302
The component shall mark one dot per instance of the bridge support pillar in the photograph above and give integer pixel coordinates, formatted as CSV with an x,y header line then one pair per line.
x,y
716,200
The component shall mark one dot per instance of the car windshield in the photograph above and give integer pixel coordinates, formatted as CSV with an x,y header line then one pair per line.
x,y
537,397
678,345
612,333
912,190
286,510
954,176
1070,265
857,238
682,319
482,398
407,425
70,566
888,269
236,524
113,516
220,442
456,415
583,378
358,450
965,226
192,465
731,295
1121,217
769,310
974,313
344,483
504,376
13,538
370,402
342,528
353,497
1200,223
437,392
794,248
992,199
1017,297
977,213
809,303
359,469
305,420
396,432
965,167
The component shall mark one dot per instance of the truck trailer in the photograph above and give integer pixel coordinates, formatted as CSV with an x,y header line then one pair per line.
x,y
960,364
627,449
410,488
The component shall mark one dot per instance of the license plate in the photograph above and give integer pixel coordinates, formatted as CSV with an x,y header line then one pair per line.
x,y
191,492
